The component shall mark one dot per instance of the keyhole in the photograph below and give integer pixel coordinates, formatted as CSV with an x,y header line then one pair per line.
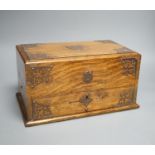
x,y
87,97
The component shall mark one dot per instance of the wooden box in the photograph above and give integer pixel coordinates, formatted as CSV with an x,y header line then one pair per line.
x,y
61,81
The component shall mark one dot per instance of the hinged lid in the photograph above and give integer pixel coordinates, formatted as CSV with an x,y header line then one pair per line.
x,y
50,51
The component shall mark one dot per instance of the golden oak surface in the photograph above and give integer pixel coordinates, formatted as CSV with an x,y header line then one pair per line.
x,y
60,81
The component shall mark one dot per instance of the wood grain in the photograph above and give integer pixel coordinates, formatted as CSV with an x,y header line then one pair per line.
x,y
40,51
51,78
29,123
68,76
100,99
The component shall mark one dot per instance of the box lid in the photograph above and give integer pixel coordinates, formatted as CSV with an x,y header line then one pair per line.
x,y
50,51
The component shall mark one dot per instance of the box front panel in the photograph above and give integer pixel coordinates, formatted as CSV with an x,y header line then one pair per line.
x,y
70,87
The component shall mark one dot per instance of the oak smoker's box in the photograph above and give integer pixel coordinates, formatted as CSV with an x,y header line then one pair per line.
x,y
60,81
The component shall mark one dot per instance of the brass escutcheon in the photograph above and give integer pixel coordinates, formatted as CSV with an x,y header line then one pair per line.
x,y
87,76
86,99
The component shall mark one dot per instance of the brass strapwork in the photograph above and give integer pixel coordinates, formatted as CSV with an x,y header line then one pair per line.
x,y
61,81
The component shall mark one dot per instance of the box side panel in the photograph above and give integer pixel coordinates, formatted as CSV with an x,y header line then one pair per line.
x,y
137,74
23,88
21,76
